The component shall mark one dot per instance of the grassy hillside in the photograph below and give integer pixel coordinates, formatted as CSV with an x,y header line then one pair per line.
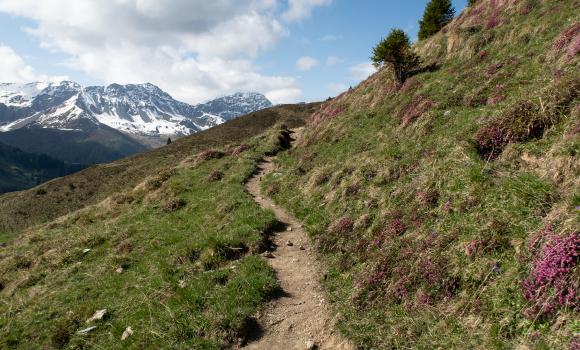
x,y
174,258
62,196
447,209
20,170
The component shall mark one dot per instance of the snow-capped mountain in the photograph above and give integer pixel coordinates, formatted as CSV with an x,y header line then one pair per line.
x,y
141,109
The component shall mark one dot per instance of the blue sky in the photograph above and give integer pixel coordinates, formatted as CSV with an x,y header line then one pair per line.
x,y
206,50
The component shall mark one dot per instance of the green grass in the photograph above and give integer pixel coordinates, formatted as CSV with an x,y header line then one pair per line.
x,y
65,195
190,275
425,288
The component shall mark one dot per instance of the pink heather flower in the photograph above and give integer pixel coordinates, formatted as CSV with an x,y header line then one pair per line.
x,y
575,343
396,228
447,207
566,37
342,225
376,277
472,247
400,289
425,299
492,22
574,48
548,286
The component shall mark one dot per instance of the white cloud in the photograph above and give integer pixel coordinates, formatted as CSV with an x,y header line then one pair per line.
x,y
333,60
306,63
362,70
301,9
194,49
15,70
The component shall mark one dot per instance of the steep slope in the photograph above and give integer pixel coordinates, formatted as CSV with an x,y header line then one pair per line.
x,y
20,170
447,209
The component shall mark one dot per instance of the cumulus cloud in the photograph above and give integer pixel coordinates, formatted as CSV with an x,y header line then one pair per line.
x,y
362,70
194,49
299,10
15,70
306,63
333,60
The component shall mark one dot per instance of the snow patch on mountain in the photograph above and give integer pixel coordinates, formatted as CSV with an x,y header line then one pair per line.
x,y
20,95
142,109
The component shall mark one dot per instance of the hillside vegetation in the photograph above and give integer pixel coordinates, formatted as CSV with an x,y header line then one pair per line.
x,y
447,208
172,261
62,196
20,170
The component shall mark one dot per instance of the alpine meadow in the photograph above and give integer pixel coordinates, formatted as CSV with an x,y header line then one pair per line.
x,y
434,204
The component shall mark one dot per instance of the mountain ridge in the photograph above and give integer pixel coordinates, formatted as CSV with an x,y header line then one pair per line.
x,y
142,109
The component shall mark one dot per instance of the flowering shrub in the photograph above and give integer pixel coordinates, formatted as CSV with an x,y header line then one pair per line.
x,y
416,108
491,140
400,289
521,122
328,111
492,69
492,22
550,284
568,41
396,228
342,225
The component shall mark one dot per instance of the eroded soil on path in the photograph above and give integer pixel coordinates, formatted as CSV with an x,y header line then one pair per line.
x,y
301,316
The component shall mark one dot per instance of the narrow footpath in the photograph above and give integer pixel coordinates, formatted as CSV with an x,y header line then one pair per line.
x,y
301,317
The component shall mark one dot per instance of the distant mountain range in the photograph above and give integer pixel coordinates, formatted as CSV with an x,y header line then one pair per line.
x,y
99,124
142,109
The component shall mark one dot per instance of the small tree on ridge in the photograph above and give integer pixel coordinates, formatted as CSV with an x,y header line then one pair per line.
x,y
395,52
436,16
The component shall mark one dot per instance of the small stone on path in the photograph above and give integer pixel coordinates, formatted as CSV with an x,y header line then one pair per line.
x,y
289,244
310,345
289,228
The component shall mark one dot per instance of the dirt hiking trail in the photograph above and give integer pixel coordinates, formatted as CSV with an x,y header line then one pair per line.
x,y
301,317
